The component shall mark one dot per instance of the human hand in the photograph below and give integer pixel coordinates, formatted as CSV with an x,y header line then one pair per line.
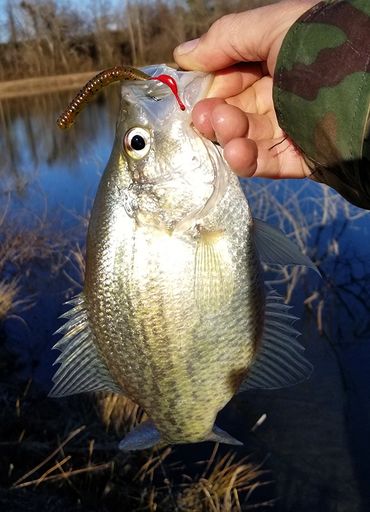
x,y
242,49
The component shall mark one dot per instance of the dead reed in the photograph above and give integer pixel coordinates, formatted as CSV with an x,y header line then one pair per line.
x,y
316,218
220,487
20,247
119,412
9,290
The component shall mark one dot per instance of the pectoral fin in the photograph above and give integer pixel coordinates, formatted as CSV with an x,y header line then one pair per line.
x,y
213,278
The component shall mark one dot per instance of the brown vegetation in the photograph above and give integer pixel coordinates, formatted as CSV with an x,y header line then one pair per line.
x,y
49,38
57,454
218,488
119,413
308,220
19,248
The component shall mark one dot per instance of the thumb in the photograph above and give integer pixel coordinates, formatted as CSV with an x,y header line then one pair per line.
x,y
250,36
231,39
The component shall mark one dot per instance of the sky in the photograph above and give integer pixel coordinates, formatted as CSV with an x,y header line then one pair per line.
x,y
80,5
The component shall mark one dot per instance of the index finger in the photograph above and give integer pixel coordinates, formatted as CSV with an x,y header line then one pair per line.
x,y
234,80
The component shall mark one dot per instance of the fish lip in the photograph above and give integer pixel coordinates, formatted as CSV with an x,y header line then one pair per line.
x,y
192,85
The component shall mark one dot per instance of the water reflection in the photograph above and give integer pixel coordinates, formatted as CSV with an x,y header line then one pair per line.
x,y
51,176
38,154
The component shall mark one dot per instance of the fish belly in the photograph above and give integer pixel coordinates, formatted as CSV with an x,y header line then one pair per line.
x,y
180,361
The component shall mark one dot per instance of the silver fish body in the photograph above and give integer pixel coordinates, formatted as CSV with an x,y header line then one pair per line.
x,y
173,307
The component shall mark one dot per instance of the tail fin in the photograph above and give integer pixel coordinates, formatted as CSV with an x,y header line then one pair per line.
x,y
147,435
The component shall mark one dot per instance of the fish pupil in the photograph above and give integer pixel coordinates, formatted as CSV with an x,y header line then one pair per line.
x,y
137,142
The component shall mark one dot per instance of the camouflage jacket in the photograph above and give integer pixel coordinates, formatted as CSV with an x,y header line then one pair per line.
x,y
322,94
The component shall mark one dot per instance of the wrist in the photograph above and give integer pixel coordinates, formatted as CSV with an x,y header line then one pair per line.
x,y
289,12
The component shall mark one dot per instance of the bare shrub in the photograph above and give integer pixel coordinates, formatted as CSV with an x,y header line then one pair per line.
x,y
49,38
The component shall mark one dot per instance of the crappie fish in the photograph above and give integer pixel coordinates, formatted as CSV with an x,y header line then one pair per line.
x,y
174,312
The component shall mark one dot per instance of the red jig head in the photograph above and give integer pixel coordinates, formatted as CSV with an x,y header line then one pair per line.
x,y
171,83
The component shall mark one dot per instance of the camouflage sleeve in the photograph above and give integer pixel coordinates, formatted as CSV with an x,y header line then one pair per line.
x,y
322,94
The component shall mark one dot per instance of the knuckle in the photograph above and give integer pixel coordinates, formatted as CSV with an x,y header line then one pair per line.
x,y
223,25
226,34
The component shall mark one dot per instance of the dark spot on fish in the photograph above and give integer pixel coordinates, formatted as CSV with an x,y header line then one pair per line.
x,y
190,368
235,378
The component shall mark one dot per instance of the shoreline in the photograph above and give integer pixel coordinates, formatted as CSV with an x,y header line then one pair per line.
x,y
43,84
47,84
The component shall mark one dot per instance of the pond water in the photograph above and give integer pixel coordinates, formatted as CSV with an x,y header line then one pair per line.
x,y
317,434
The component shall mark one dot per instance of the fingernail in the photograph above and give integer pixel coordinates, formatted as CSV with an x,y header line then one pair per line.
x,y
187,47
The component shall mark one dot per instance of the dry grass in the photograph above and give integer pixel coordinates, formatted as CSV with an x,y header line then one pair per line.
x,y
221,485
19,248
119,412
59,450
9,290
317,222
24,481
76,265
22,245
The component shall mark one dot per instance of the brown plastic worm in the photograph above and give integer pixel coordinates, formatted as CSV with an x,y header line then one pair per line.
x,y
106,77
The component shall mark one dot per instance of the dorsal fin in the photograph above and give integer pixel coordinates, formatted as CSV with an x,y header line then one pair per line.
x,y
81,368
275,247
280,361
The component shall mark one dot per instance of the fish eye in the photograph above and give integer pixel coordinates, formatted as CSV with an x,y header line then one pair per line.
x,y
137,142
